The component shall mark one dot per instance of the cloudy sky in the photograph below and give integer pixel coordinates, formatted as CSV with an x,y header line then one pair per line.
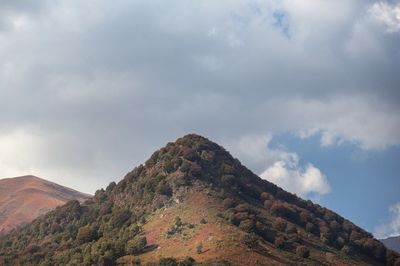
x,y
305,93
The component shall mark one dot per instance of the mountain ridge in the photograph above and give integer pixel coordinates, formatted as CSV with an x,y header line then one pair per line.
x,y
191,198
24,198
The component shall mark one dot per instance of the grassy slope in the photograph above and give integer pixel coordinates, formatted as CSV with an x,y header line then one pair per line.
x,y
220,240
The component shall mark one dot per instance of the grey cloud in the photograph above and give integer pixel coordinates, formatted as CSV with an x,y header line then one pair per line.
x,y
102,84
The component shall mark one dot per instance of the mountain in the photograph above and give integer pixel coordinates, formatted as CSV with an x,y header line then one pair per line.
x,y
392,243
192,203
24,198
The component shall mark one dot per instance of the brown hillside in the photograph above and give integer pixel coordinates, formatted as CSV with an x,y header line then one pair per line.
x,y
24,198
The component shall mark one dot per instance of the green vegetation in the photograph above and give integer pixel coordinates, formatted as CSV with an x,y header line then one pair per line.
x,y
174,262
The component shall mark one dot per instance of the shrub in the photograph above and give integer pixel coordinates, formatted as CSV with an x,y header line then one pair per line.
x,y
354,236
203,221
291,229
189,154
265,196
242,216
168,262
247,225
189,261
110,187
310,227
55,228
178,221
303,251
268,204
185,167
199,248
284,210
163,188
280,224
227,169
346,250
136,245
325,235
251,240
243,207
334,225
279,242
120,217
228,181
228,203
234,220
305,217
86,234
31,249
341,241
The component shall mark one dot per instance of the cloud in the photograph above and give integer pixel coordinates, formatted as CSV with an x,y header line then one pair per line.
x,y
392,227
297,180
101,85
280,166
386,14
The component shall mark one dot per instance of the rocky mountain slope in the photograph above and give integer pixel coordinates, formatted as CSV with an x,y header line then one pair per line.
x,y
192,203
24,198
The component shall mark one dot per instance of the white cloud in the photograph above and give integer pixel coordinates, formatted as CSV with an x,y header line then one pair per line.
x,y
281,167
388,15
369,126
391,228
302,181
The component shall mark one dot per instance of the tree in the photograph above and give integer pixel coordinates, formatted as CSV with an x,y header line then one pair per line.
x,y
136,245
265,196
185,167
120,217
228,181
86,234
280,224
268,204
178,221
110,187
163,188
228,203
291,229
247,225
310,227
279,242
305,217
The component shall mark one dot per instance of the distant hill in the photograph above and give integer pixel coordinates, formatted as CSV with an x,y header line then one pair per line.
x,y
392,243
24,198
192,203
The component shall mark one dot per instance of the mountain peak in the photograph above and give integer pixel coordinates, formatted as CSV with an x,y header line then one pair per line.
x,y
191,157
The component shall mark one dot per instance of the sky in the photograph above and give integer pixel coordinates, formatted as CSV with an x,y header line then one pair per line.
x,y
305,93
